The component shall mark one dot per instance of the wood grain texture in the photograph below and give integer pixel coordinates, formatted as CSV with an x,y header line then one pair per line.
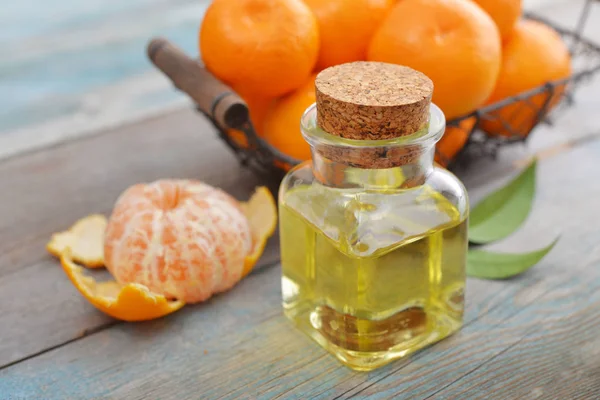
x,y
530,337
558,357
240,346
251,349
567,270
45,192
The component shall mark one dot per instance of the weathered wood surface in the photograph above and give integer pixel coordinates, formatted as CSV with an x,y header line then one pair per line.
x,y
45,192
530,337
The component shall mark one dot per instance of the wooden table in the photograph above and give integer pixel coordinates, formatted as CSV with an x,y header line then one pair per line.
x,y
535,336
531,337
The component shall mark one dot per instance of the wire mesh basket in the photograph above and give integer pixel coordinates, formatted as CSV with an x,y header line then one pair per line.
x,y
229,113
585,56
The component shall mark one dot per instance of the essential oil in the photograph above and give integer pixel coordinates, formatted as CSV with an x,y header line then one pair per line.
x,y
373,235
370,275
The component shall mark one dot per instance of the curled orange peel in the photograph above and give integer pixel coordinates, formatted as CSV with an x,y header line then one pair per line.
x,y
261,212
130,302
85,239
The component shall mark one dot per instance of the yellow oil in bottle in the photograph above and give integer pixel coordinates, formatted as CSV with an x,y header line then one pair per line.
x,y
372,275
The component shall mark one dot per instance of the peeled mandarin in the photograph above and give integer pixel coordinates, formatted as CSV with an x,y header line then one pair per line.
x,y
183,239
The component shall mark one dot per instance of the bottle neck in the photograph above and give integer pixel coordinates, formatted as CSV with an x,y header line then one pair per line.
x,y
411,172
402,162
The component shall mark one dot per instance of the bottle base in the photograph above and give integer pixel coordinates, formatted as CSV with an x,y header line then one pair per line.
x,y
365,345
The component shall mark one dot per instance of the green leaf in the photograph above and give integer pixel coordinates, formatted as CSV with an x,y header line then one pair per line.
x,y
502,212
490,265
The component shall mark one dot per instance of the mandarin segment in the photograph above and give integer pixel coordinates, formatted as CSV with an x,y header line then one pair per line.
x,y
85,239
130,302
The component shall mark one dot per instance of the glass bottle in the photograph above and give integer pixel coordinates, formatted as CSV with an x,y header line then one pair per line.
x,y
373,241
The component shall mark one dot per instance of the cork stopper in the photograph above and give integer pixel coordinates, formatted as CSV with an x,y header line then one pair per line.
x,y
372,100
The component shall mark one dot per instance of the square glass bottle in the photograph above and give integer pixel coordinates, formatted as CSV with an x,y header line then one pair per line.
x,y
373,235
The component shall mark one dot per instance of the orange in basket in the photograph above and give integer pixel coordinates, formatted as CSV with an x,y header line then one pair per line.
x,y
505,14
346,28
534,55
258,105
267,46
184,239
453,42
454,139
282,123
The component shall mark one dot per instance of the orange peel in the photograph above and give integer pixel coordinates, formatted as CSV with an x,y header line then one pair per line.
x,y
261,212
85,239
129,302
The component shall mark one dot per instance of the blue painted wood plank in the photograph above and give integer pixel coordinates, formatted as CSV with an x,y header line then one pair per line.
x,y
251,351
73,68
57,54
240,346
559,358
46,192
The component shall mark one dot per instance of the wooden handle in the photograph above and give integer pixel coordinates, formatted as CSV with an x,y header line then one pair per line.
x,y
213,97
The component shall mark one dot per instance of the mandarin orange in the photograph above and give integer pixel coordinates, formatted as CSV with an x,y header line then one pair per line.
x,y
454,42
267,46
282,123
346,28
182,239
505,13
453,141
534,55
258,105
